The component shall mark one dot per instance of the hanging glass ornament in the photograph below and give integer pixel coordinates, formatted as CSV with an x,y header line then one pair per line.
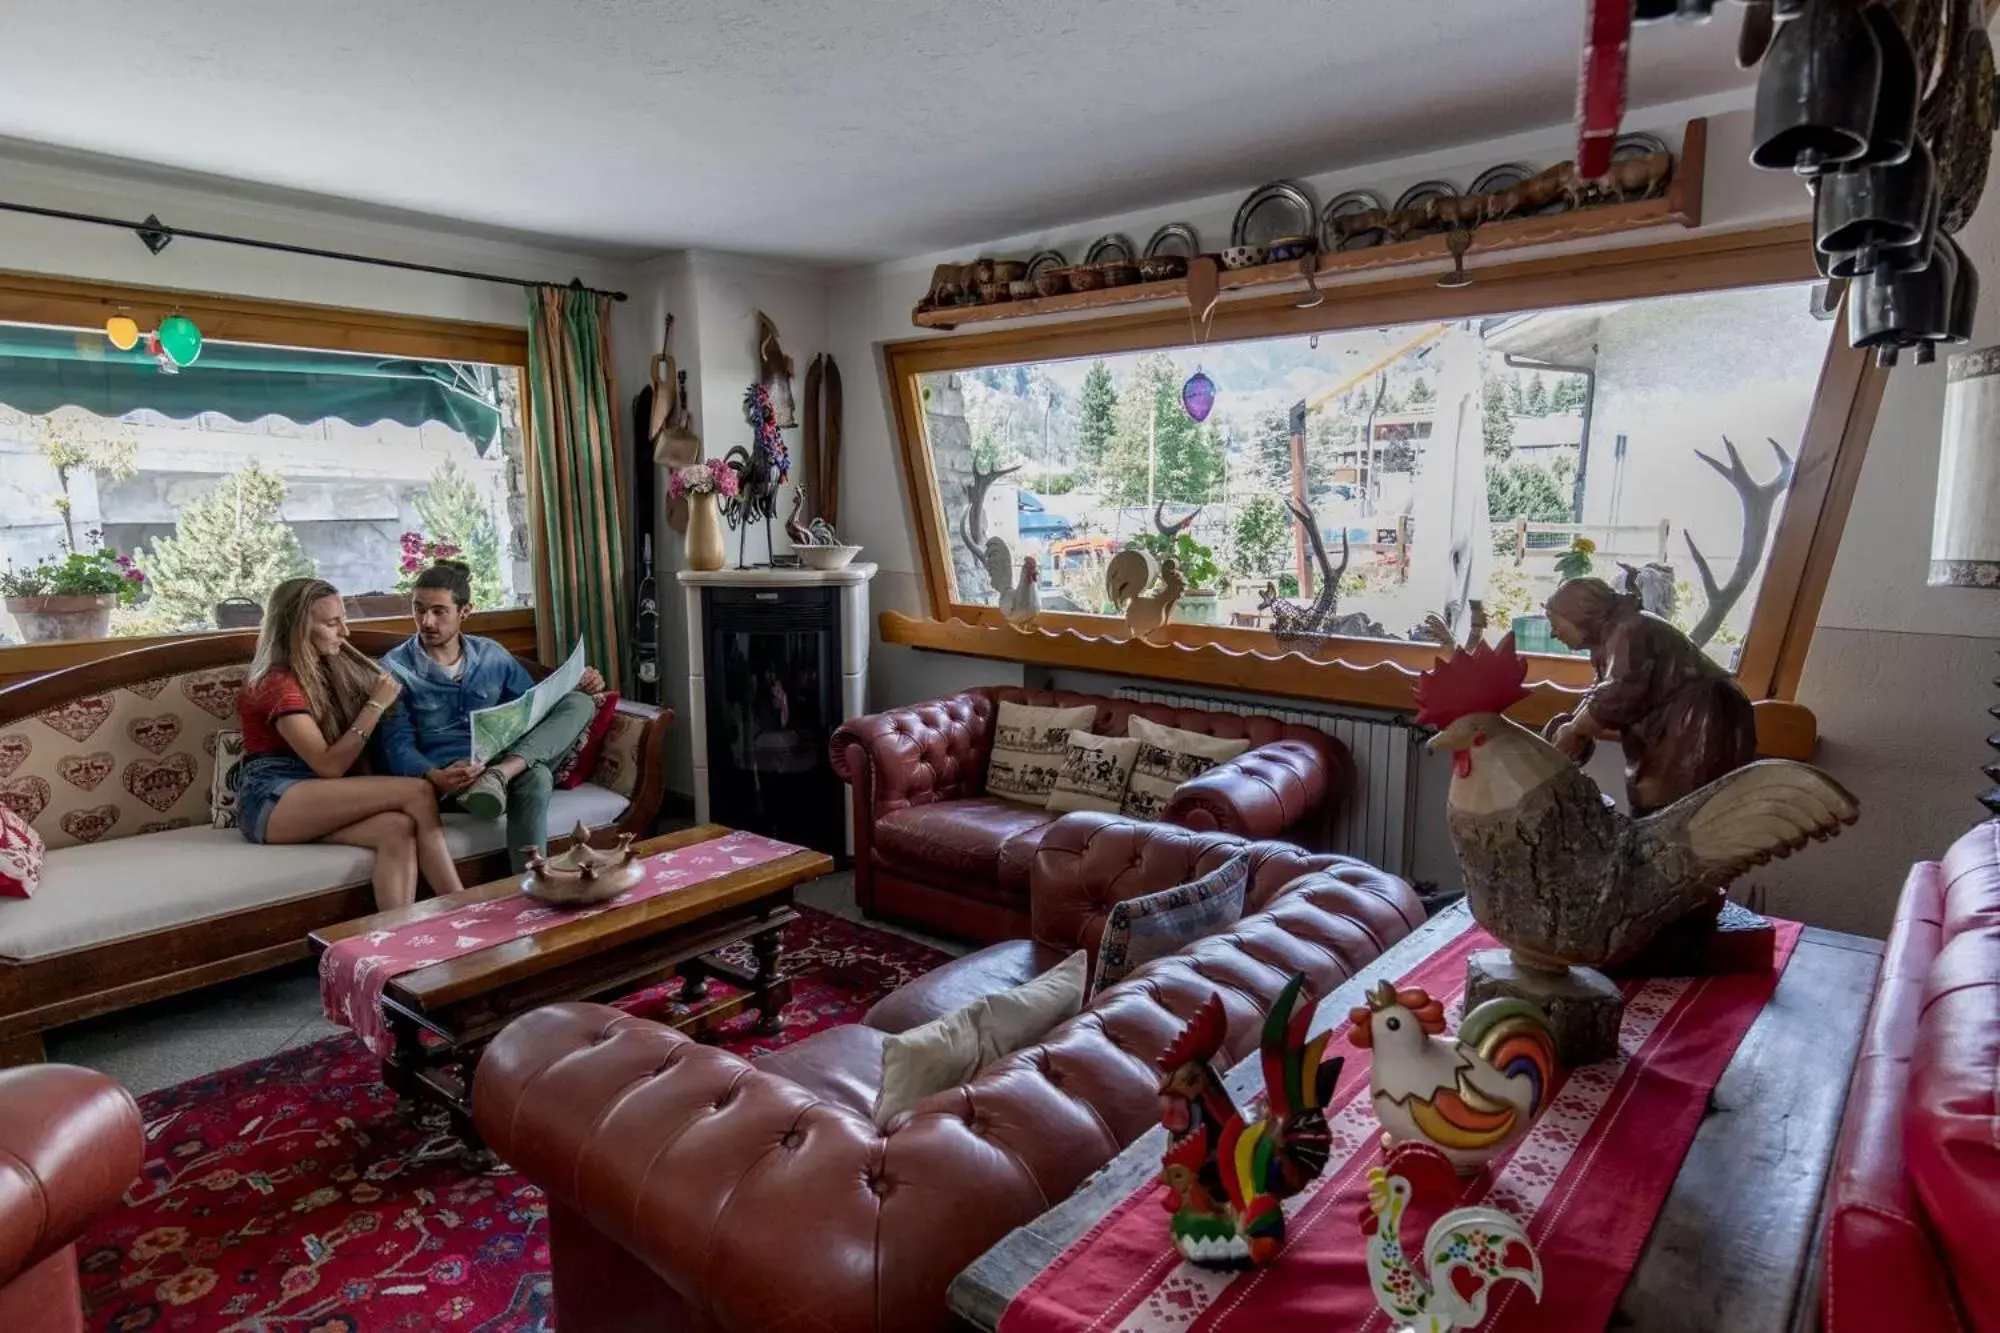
x,y
180,339
123,331
1198,395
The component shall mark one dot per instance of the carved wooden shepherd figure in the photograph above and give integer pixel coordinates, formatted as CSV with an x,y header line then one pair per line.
x,y
1681,719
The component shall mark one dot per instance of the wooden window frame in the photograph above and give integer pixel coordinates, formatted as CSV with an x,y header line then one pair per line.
x,y
1833,445
27,298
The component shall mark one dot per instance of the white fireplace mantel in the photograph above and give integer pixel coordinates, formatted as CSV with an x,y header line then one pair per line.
x,y
854,636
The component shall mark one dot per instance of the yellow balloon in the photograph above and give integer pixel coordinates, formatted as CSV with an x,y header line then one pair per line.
x,y
123,332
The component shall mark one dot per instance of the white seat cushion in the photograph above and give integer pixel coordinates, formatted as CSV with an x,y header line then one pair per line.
x,y
95,893
591,805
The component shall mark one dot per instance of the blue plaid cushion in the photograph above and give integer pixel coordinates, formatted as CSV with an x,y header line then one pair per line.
x,y
1142,929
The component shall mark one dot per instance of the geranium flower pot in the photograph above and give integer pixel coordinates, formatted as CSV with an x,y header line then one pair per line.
x,y
56,619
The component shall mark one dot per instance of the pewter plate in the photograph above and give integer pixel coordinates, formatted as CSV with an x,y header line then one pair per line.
x,y
1174,233
1354,201
1042,260
1425,192
1109,247
1503,177
1636,145
1304,214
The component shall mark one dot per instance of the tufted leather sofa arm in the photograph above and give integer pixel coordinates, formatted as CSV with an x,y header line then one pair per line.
x,y
1264,791
71,1142
1089,862
757,1206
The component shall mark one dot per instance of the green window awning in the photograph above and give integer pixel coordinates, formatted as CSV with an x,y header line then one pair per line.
x,y
42,369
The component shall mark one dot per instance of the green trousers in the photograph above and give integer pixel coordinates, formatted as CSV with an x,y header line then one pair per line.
x,y
528,795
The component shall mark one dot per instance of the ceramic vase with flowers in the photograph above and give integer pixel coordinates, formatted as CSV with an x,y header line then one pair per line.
x,y
72,597
703,485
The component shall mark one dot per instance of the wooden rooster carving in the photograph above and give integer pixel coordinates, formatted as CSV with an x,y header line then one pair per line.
x,y
1225,1175
1019,602
1562,877
1467,1251
1125,580
1471,1096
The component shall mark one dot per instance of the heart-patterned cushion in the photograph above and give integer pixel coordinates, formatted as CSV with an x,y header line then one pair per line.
x,y
134,759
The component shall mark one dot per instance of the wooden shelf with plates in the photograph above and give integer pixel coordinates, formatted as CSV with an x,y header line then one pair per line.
x,y
1785,730
1680,205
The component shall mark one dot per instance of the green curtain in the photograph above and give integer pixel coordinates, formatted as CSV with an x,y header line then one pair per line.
x,y
573,442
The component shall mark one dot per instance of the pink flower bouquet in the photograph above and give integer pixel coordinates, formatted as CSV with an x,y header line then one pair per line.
x,y
710,477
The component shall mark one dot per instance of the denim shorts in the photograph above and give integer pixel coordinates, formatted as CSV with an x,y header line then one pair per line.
x,y
265,778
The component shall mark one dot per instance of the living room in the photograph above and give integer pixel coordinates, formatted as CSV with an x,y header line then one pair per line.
x,y
1202,463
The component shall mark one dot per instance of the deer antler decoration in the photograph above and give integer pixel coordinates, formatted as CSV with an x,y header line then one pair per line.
x,y
972,531
1759,500
1173,530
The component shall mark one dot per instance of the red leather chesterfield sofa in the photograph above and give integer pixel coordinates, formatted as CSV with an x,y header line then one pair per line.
x,y
70,1143
690,1189
932,848
1913,1209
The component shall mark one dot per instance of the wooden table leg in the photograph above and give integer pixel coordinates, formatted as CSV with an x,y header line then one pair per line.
x,y
773,988
22,1050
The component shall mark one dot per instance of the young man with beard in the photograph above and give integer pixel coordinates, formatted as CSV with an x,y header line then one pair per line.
x,y
447,675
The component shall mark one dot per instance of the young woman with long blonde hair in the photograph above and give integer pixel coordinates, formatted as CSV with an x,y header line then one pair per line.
x,y
311,705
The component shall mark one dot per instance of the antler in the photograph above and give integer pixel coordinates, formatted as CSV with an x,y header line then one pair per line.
x,y
1758,500
973,531
1179,525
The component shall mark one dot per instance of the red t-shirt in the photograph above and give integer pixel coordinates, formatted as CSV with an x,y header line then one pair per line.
x,y
259,706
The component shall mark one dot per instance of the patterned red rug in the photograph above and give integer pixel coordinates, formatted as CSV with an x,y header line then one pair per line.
x,y
290,1194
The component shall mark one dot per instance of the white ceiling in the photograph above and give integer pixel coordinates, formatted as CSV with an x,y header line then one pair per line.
x,y
836,130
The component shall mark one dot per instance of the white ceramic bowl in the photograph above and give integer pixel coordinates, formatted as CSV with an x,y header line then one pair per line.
x,y
1244,256
826,557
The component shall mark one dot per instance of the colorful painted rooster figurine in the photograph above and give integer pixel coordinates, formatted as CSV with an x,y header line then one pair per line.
x,y
1225,1175
1467,1250
1470,1096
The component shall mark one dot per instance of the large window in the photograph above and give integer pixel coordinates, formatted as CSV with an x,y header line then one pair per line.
x,y
1680,421
1442,463
202,486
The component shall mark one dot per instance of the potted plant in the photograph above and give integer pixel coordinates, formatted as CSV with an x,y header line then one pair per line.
x,y
699,484
1201,603
418,552
69,598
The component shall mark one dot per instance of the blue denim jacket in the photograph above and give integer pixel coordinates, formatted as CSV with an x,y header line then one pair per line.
x,y
431,724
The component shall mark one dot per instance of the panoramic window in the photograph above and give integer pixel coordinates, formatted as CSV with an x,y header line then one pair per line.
x,y
1438,472
140,497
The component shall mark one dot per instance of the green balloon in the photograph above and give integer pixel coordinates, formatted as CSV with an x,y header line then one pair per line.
x,y
180,339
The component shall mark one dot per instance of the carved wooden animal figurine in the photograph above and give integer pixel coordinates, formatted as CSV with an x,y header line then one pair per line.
x,y
1467,1252
1471,1096
1225,1175
1295,625
1148,613
1019,602
1564,879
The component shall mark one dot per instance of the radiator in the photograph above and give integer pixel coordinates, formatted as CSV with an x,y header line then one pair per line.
x,y
1377,822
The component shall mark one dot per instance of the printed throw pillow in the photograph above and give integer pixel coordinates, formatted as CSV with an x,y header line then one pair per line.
x,y
1169,756
1094,772
948,1051
20,856
225,788
1028,749
1141,929
580,760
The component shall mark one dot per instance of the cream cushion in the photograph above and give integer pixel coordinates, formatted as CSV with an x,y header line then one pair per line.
x,y
1169,756
1095,773
95,893
1028,748
948,1051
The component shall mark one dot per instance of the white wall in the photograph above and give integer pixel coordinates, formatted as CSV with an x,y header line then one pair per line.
x,y
1898,675
106,254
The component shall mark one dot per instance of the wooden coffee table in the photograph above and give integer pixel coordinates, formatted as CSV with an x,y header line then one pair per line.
x,y
442,1016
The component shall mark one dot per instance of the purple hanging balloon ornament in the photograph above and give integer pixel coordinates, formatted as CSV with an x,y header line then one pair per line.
x,y
1198,395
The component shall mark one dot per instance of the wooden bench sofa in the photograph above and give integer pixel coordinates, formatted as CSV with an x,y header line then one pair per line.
x,y
141,896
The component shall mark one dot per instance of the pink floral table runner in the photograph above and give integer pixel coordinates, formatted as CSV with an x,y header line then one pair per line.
x,y
353,972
